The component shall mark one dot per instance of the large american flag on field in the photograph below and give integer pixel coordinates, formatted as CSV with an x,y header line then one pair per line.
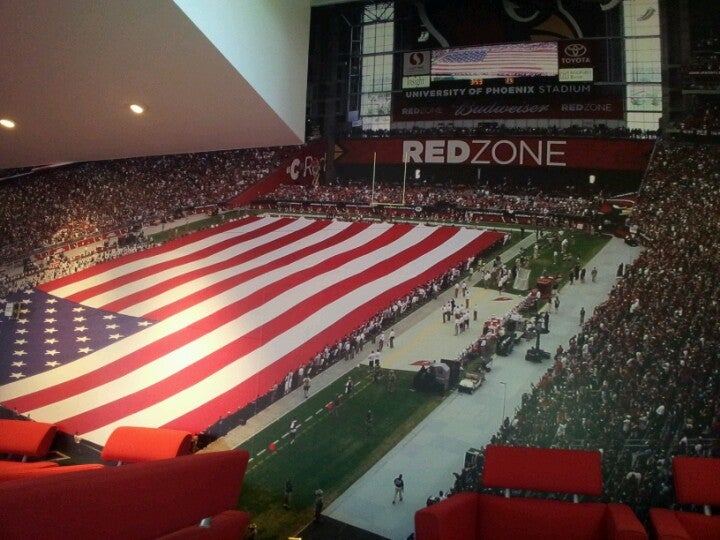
x,y
180,335
496,61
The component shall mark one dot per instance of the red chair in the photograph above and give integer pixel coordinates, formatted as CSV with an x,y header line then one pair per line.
x,y
697,481
469,516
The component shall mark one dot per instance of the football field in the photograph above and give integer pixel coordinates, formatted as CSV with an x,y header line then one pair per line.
x,y
332,448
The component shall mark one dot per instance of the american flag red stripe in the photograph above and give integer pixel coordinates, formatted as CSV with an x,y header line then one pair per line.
x,y
227,331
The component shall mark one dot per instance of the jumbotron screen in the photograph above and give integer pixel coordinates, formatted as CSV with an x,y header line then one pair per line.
x,y
537,59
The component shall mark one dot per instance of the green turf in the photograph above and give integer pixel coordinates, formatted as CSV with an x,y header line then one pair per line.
x,y
331,450
581,245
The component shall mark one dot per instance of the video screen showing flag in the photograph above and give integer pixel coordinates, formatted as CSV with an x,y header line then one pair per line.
x,y
181,335
537,59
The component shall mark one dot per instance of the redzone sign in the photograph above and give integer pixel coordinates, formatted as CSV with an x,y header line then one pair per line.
x,y
488,151
537,153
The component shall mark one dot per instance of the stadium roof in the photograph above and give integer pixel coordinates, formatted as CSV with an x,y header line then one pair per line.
x,y
210,76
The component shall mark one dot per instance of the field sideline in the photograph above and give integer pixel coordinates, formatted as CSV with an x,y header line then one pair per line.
x,y
332,449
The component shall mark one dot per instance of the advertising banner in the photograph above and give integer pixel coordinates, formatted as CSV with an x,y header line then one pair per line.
x,y
483,101
573,153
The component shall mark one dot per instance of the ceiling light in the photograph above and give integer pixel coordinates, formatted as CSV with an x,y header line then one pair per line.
x,y
7,123
137,109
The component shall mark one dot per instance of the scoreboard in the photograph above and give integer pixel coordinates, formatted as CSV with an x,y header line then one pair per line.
x,y
552,79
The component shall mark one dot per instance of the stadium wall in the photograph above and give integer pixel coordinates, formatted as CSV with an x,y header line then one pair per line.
x,y
552,162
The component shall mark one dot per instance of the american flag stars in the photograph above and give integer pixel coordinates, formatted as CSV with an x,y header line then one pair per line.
x,y
55,333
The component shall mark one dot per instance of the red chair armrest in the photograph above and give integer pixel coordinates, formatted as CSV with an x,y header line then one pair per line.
x,y
666,526
131,444
26,438
622,523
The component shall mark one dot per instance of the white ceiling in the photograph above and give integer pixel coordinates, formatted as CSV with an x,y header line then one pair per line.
x,y
233,76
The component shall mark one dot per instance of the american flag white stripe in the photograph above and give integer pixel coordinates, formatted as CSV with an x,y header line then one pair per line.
x,y
229,258
116,276
67,287
229,347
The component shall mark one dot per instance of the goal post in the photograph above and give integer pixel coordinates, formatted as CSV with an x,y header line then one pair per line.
x,y
373,201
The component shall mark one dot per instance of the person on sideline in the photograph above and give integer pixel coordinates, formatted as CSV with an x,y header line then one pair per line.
x,y
391,381
399,488
288,494
319,503
368,422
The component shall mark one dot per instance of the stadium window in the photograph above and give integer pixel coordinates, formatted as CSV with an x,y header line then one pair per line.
x,y
377,68
641,23
375,104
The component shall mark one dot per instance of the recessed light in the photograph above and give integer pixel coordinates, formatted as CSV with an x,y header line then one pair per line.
x,y
137,109
7,123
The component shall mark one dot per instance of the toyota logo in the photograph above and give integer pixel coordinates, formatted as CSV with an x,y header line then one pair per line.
x,y
575,50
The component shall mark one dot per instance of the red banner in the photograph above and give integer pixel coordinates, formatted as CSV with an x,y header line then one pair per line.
x,y
572,153
301,167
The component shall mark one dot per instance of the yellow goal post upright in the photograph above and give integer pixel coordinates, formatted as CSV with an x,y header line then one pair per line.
x,y
373,202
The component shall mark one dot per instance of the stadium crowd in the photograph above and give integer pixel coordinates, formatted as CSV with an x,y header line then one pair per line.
x,y
74,201
704,116
495,128
439,202
641,380
62,263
